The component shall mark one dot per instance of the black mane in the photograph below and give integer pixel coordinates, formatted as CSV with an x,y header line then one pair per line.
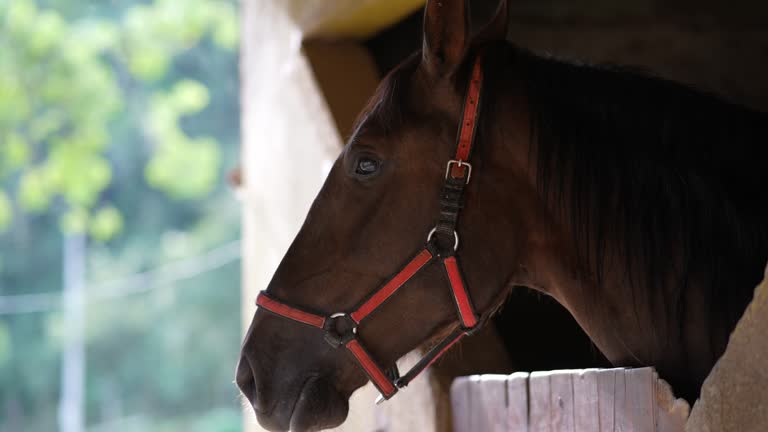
x,y
666,180
657,180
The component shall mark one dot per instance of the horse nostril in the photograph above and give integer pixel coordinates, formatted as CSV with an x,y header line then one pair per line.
x,y
245,379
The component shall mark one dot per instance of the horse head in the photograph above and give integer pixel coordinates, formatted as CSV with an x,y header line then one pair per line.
x,y
379,203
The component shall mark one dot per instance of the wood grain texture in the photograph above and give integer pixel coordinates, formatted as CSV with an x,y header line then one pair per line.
x,y
640,398
589,400
561,401
490,390
517,402
539,418
606,407
462,403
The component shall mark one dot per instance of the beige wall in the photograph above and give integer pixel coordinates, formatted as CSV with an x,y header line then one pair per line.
x,y
284,120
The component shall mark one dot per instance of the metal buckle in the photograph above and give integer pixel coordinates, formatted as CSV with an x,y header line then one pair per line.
x,y
393,374
455,237
459,164
332,336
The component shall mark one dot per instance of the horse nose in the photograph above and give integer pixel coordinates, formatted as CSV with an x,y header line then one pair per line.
x,y
246,380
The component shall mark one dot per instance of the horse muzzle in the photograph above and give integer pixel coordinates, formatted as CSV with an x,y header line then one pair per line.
x,y
296,403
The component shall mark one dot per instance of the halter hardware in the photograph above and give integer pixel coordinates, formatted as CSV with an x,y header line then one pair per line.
x,y
341,329
455,238
458,164
333,336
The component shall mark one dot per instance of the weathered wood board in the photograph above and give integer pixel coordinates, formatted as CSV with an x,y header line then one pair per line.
x,y
589,400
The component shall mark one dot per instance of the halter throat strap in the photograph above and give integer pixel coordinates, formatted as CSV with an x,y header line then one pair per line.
x,y
340,329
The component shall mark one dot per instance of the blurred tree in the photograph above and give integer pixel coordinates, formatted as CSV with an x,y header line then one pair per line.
x,y
62,83
115,120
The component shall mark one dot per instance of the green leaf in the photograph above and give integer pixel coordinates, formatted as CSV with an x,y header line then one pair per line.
x,y
79,174
34,194
189,96
188,170
20,16
226,31
74,221
15,151
6,211
98,35
149,62
49,29
45,124
14,102
106,224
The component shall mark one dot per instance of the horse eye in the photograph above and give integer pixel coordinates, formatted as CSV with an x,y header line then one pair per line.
x,y
367,166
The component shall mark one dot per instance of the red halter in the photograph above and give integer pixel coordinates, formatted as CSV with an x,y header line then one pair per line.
x,y
457,175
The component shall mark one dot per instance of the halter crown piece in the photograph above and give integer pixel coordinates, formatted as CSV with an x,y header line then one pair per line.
x,y
457,175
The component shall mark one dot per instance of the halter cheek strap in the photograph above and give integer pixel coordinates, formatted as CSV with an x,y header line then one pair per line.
x,y
340,329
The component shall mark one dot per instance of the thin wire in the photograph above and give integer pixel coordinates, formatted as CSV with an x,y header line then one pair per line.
x,y
164,275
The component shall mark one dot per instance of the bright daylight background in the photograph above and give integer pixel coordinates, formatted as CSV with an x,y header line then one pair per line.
x,y
119,239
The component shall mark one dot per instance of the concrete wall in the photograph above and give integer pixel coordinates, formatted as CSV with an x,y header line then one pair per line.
x,y
734,397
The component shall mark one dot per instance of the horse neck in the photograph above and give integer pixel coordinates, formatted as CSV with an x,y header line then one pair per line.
x,y
628,326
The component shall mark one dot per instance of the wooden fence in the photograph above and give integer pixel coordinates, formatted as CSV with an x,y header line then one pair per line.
x,y
589,400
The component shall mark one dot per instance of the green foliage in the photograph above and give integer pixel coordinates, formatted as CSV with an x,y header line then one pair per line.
x,y
182,167
64,81
6,210
106,223
116,119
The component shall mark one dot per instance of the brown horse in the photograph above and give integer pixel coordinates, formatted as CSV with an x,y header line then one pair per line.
x,y
638,204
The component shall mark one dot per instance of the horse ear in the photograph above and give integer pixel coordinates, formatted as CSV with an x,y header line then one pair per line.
x,y
498,26
446,35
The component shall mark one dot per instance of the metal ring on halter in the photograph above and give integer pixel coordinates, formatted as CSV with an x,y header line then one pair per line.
x,y
344,314
455,237
336,338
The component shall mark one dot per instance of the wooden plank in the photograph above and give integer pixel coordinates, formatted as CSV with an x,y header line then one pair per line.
x,y
538,402
517,402
586,403
461,404
640,400
621,419
592,400
606,384
488,394
561,401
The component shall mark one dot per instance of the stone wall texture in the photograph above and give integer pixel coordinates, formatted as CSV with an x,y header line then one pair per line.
x,y
734,397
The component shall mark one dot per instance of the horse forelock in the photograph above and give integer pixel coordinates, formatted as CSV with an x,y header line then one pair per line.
x,y
386,108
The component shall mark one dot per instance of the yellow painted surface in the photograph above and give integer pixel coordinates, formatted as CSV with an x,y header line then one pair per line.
x,y
344,19
366,17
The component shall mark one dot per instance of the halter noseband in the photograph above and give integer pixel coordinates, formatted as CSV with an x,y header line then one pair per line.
x,y
457,175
